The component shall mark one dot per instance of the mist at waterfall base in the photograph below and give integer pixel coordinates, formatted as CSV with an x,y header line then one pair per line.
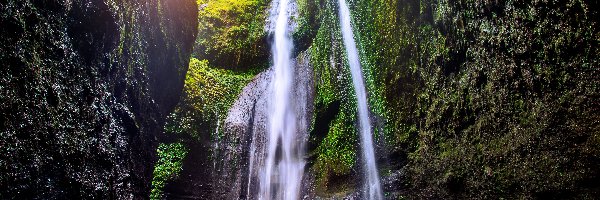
x,y
281,177
372,185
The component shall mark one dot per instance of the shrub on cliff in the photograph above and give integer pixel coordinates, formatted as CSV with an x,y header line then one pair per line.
x,y
232,33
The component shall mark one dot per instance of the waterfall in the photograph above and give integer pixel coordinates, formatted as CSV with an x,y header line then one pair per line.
x,y
284,166
372,186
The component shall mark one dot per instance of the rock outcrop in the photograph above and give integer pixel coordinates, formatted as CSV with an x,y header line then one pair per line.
x,y
84,91
242,151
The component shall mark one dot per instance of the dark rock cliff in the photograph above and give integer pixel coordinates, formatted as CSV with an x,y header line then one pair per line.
x,y
84,91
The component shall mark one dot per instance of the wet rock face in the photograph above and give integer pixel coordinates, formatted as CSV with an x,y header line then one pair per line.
x,y
80,106
242,151
170,49
246,123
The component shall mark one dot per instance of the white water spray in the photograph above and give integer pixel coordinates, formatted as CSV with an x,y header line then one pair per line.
x,y
372,186
284,166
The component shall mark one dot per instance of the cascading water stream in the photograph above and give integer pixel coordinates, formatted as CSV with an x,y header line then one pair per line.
x,y
284,166
372,185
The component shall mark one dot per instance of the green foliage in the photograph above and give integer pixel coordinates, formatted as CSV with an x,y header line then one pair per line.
x,y
208,94
308,21
337,151
382,41
231,32
494,119
487,99
322,53
170,163
387,43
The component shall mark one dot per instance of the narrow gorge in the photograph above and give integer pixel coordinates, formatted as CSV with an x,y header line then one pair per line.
x,y
299,99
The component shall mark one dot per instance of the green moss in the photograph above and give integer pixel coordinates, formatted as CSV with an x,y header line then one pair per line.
x,y
80,110
168,167
497,92
381,47
209,92
321,50
337,151
386,42
470,91
231,32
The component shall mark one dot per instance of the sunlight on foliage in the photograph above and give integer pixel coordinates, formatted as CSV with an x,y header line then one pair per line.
x,y
208,94
211,90
168,167
230,32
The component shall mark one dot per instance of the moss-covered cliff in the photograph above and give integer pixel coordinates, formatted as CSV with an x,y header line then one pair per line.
x,y
480,99
469,99
84,92
232,34
229,50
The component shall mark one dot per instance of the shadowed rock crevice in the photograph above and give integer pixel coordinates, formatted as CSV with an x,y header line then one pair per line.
x,y
324,115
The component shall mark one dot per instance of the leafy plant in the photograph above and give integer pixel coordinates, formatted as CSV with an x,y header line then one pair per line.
x,y
208,94
168,167
231,32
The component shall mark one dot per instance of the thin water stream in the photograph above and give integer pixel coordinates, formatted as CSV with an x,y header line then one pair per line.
x,y
372,185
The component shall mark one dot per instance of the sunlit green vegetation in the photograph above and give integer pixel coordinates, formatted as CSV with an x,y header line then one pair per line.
x,y
228,52
336,153
208,94
231,32
168,166
468,97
